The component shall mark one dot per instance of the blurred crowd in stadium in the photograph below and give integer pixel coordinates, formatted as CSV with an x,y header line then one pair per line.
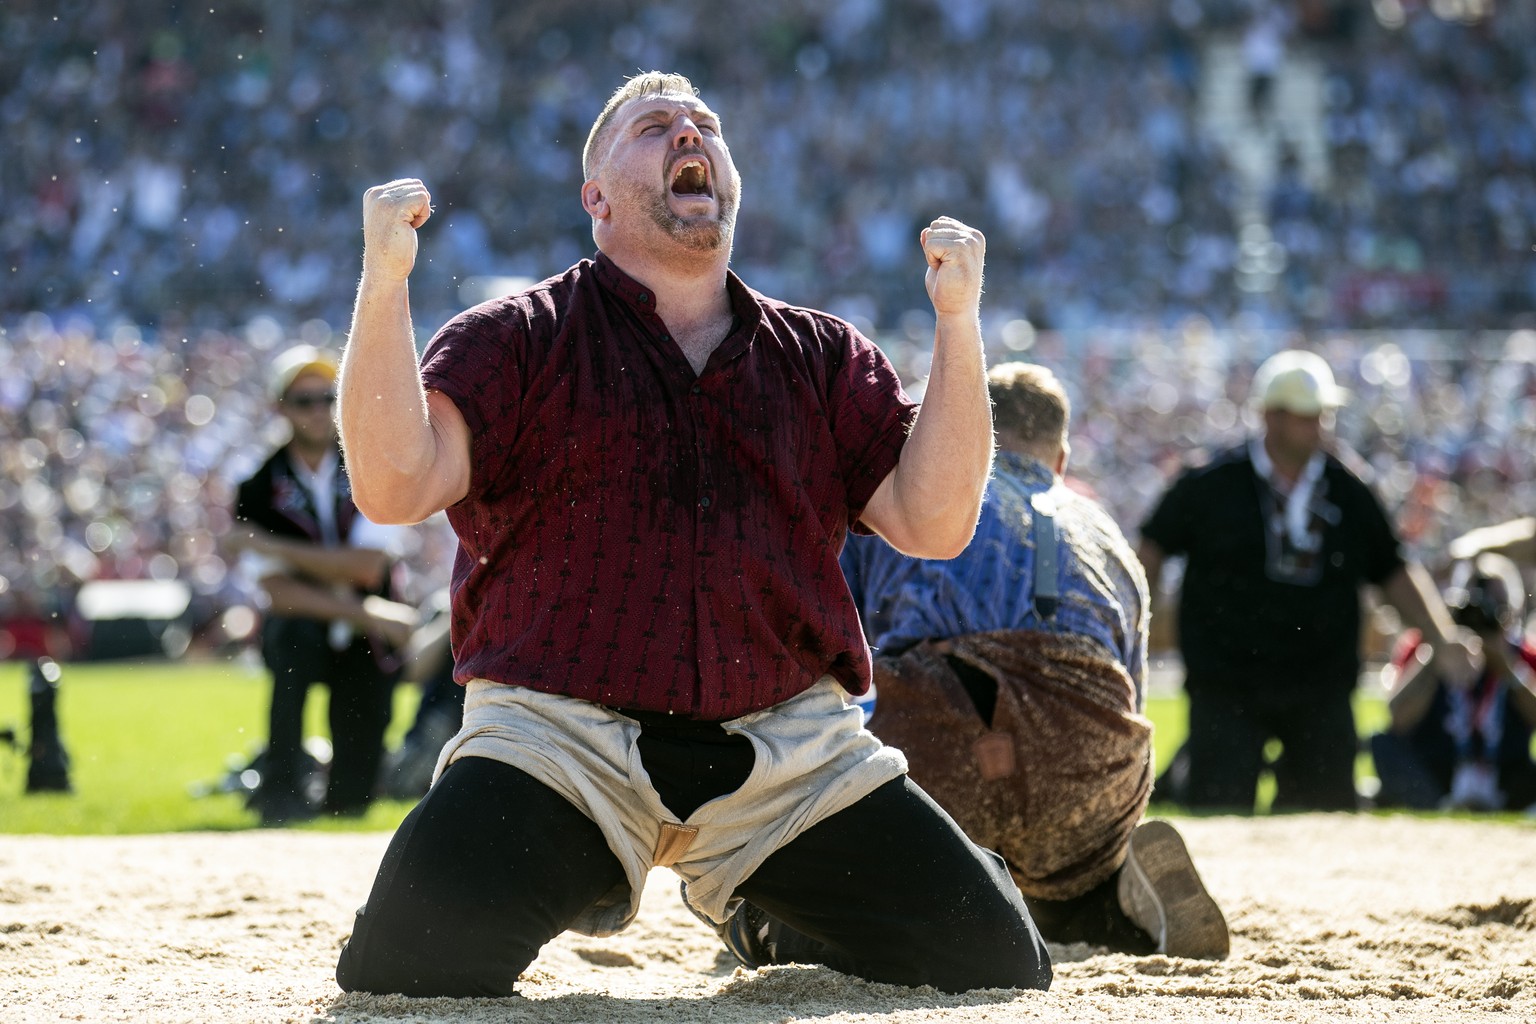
x,y
207,166
184,191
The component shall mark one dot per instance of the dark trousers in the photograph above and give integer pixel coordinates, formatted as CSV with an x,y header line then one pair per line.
x,y
1407,778
492,864
1417,773
442,703
1228,729
1094,917
298,655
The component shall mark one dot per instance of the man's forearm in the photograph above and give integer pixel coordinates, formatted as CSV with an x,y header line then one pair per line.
x,y
948,457
927,506
408,455
1457,656
1418,603
385,428
1413,694
299,599
1515,539
362,567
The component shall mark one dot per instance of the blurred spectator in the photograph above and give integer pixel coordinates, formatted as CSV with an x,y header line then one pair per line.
x,y
1263,53
326,573
1280,537
119,454
1466,747
197,167
406,772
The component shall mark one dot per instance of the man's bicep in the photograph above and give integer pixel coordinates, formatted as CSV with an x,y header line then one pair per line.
x,y
452,466
882,513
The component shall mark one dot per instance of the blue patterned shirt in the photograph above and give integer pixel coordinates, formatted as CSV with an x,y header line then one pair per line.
x,y
990,585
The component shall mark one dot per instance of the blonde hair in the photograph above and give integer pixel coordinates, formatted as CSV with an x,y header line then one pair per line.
x,y
1029,405
648,83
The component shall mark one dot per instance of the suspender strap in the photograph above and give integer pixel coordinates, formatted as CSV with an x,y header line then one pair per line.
x,y
1047,593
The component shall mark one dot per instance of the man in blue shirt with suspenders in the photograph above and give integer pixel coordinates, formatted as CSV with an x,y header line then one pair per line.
x,y
1013,678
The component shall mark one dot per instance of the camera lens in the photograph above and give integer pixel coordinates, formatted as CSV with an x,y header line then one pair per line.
x,y
1479,610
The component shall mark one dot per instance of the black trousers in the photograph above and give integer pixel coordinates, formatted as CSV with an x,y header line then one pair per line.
x,y
492,864
1228,728
298,654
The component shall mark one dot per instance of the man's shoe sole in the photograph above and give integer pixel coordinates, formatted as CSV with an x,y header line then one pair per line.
x,y
1161,891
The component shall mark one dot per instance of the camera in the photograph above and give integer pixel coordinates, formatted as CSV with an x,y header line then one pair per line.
x,y
1478,608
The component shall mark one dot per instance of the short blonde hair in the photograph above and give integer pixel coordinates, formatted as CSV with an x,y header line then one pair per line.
x,y
649,83
1029,405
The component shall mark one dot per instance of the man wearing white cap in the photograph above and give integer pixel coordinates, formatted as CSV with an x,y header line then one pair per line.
x,y
1280,535
325,573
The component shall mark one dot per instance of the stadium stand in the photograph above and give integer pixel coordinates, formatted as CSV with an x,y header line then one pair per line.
x,y
184,184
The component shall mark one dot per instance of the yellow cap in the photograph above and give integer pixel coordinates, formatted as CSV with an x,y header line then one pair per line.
x,y
287,367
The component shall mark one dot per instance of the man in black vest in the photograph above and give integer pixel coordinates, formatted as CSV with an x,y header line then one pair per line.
x,y
325,571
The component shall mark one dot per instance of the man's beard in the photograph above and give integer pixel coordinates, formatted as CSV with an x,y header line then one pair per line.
x,y
700,234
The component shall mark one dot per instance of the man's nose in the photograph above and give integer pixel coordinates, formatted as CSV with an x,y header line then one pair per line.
x,y
685,133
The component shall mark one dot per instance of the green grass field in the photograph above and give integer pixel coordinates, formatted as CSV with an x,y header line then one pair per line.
x,y
143,736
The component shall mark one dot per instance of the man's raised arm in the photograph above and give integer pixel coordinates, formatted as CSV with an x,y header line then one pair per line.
x,y
927,506
407,451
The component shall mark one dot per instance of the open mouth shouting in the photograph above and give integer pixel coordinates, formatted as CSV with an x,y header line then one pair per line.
x,y
691,178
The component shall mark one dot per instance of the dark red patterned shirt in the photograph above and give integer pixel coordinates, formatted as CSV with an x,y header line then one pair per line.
x,y
643,538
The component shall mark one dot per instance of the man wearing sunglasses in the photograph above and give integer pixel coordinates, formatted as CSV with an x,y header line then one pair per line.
x,y
325,573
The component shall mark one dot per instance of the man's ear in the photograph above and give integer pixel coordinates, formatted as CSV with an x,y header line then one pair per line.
x,y
593,200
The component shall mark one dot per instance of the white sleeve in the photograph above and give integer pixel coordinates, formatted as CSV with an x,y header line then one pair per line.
x,y
365,533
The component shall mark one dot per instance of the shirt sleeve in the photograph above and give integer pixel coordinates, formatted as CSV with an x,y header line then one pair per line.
x,y
366,533
871,416
1171,523
474,360
1383,548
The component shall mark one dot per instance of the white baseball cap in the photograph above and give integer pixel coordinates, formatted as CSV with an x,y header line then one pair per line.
x,y
1298,382
296,360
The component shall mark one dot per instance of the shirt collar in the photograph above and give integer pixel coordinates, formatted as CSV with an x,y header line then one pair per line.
x,y
1264,466
320,479
632,293
1027,468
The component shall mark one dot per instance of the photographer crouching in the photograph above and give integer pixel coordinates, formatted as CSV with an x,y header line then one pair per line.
x,y
1466,748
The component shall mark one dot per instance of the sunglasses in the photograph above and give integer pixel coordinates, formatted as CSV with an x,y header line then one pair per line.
x,y
327,398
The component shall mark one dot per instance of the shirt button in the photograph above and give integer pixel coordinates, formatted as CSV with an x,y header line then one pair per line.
x,y
704,501
696,390
645,297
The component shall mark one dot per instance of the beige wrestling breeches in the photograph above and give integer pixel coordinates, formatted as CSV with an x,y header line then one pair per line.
x,y
813,759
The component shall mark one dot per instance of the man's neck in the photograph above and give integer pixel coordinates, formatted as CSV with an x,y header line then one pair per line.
x,y
1052,457
687,293
311,455
1286,466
